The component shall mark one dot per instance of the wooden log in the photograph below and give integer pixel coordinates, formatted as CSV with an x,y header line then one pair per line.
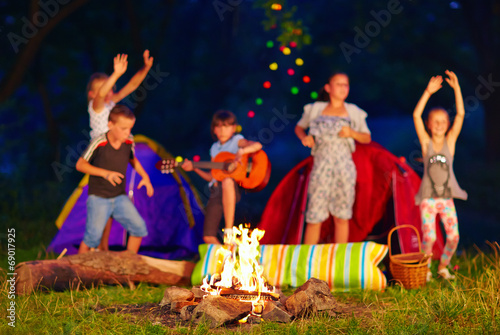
x,y
100,268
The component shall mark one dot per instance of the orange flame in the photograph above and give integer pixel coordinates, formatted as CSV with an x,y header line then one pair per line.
x,y
237,264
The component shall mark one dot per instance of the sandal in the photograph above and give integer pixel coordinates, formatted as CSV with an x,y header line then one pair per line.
x,y
445,274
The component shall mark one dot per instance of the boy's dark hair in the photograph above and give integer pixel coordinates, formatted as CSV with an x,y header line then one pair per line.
x,y
95,76
120,110
322,94
222,117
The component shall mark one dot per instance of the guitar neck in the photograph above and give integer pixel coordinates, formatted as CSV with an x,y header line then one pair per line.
x,y
209,165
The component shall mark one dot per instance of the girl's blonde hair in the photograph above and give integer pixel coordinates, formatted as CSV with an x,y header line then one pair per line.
x,y
94,77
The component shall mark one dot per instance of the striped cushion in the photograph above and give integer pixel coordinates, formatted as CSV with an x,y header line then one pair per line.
x,y
343,266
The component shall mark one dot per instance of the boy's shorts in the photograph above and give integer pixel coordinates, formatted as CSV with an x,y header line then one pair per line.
x,y
99,210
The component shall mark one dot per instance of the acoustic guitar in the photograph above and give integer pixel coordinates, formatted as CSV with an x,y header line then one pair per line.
x,y
252,172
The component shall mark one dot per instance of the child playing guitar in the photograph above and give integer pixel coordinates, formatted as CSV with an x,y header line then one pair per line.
x,y
226,193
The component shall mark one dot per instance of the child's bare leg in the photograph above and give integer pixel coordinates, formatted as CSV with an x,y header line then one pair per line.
x,y
228,201
134,243
104,245
341,234
83,248
210,240
312,234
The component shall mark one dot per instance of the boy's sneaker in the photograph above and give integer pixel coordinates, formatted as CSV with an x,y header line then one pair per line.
x,y
445,274
429,276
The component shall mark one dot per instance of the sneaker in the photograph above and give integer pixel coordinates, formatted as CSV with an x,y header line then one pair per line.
x,y
429,276
445,274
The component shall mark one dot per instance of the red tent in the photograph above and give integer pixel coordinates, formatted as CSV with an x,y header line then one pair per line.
x,y
385,191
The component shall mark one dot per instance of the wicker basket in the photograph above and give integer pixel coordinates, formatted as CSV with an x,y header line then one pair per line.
x,y
409,269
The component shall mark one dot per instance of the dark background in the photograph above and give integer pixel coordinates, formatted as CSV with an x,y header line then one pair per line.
x,y
211,55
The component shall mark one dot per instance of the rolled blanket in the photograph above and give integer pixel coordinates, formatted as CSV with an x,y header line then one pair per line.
x,y
343,266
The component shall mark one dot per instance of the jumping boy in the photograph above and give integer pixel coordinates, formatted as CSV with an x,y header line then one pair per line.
x,y
105,160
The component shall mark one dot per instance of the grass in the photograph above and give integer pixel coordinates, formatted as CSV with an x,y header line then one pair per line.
x,y
468,305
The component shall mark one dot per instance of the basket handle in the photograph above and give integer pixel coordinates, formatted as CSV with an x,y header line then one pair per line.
x,y
399,227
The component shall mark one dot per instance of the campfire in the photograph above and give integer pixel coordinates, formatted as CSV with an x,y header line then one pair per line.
x,y
239,274
236,291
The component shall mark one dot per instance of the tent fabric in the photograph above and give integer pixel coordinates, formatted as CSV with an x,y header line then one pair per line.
x,y
174,215
384,183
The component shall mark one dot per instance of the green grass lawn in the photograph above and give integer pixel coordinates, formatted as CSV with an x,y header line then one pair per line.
x,y
468,305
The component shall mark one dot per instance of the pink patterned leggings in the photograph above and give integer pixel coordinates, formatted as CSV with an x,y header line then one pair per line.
x,y
429,208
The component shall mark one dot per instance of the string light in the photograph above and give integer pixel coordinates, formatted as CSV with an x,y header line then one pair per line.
x,y
294,90
286,51
306,79
179,159
314,95
258,101
267,84
196,158
299,61
270,44
291,72
251,114
273,66
276,6
293,44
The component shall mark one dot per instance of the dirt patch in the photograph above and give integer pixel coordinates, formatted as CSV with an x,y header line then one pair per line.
x,y
162,315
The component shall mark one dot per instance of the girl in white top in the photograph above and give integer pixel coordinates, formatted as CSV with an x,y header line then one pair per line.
x,y
333,125
101,96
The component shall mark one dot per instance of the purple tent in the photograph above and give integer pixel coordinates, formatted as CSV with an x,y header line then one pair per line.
x,y
174,215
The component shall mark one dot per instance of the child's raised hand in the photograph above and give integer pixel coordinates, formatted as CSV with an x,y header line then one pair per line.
x,y
452,79
120,63
149,187
148,61
435,83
